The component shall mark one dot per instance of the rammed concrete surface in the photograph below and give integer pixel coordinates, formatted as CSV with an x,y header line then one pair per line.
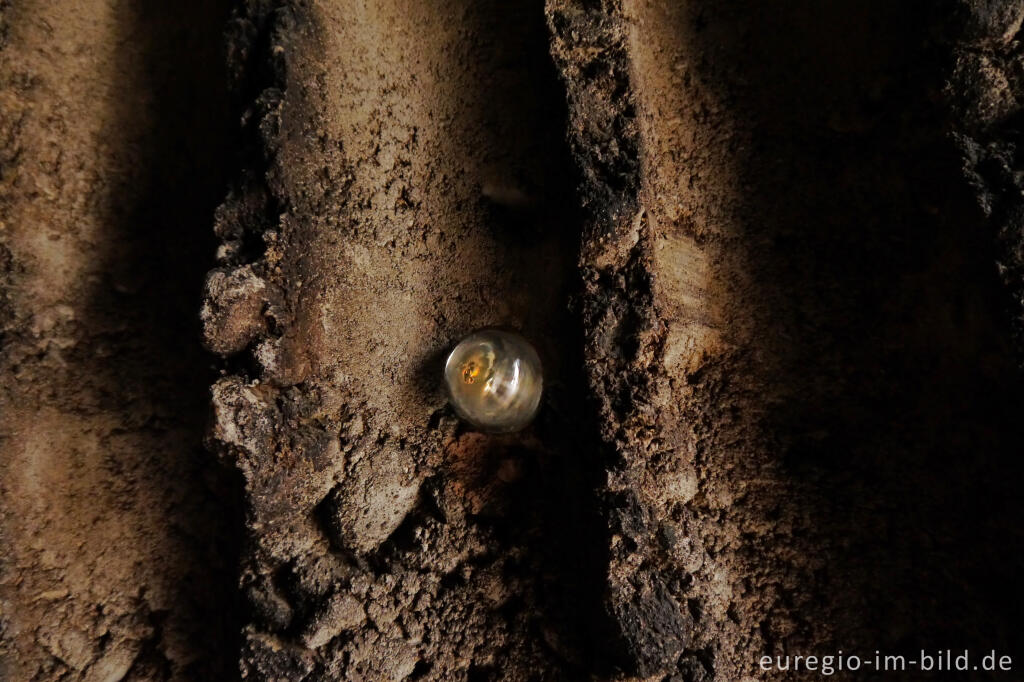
x,y
770,255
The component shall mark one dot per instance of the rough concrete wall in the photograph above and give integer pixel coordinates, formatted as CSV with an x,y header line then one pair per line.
x,y
117,561
795,361
985,93
410,188
794,335
770,255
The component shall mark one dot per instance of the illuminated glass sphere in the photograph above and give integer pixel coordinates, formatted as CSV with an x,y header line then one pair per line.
x,y
494,380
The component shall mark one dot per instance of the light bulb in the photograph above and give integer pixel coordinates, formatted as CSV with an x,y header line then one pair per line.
x,y
494,381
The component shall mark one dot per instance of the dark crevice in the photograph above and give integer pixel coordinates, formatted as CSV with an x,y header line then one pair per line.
x,y
157,251
877,316
554,509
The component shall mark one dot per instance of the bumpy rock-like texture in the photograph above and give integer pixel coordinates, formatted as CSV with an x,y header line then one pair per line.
x,y
770,255
795,359
794,335
985,92
116,551
406,183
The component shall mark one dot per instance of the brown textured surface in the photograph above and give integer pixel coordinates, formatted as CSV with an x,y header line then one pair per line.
x,y
770,255
813,407
418,192
117,558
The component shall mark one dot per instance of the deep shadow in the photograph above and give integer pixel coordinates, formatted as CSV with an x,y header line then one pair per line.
x,y
174,138
896,400
534,213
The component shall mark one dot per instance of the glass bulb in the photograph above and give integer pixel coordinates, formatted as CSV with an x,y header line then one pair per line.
x,y
494,380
